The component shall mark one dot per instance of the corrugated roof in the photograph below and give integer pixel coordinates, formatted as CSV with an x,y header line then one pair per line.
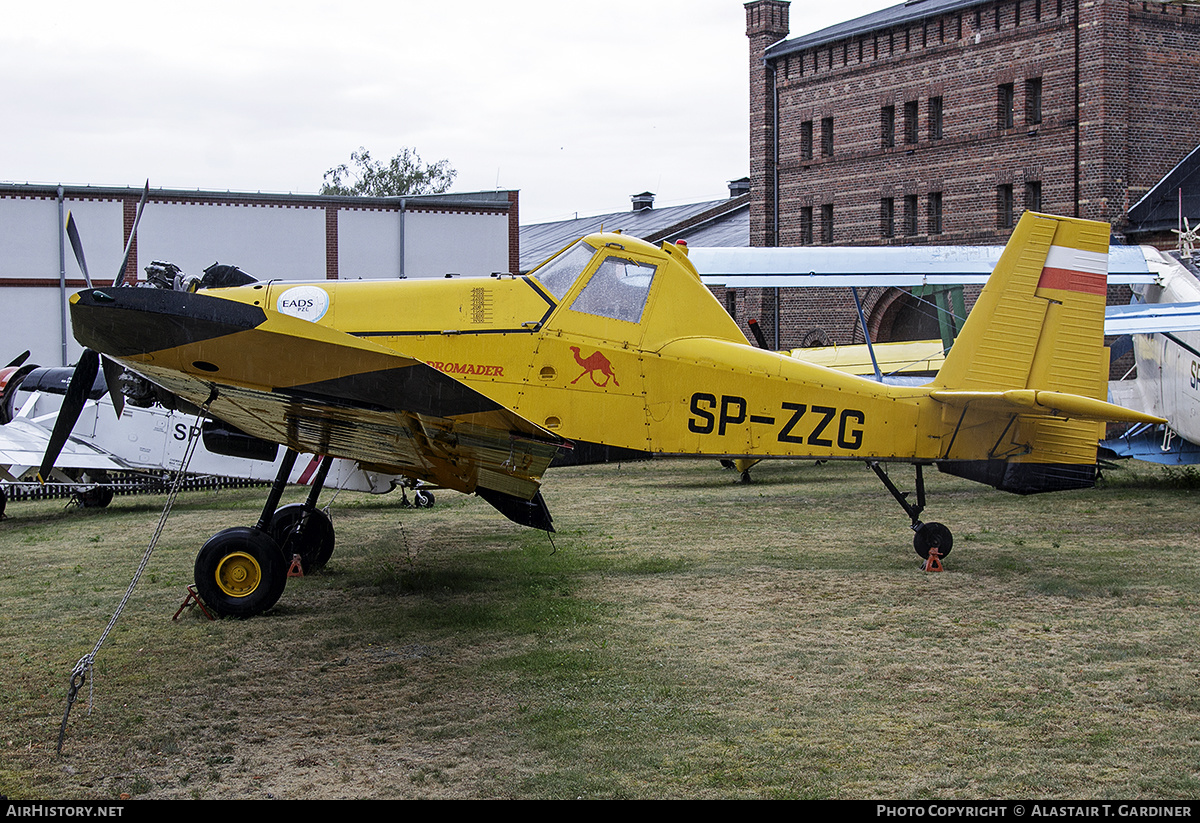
x,y
731,224
468,200
909,12
1158,210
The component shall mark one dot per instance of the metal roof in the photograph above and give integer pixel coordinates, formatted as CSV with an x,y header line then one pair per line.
x,y
727,227
890,17
1160,208
497,200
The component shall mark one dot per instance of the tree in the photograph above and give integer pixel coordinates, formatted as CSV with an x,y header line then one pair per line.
x,y
403,174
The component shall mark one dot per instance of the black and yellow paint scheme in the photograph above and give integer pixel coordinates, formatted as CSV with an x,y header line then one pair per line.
x,y
476,385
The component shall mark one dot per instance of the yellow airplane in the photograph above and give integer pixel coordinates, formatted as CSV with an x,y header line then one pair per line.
x,y
476,385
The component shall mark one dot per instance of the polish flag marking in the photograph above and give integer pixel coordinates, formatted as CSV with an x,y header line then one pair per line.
x,y
1075,270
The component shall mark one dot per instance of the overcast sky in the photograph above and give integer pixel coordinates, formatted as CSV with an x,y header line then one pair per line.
x,y
577,105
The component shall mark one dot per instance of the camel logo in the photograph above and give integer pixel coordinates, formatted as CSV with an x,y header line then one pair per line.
x,y
594,364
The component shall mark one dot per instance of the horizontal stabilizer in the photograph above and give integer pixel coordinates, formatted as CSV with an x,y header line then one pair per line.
x,y
1044,403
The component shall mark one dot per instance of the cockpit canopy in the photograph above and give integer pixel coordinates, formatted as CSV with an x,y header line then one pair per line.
x,y
619,285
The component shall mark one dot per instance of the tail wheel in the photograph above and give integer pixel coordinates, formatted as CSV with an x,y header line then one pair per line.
x,y
309,536
240,572
933,536
424,499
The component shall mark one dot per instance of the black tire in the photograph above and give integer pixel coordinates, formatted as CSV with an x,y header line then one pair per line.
x,y
424,499
311,537
3,502
933,535
240,572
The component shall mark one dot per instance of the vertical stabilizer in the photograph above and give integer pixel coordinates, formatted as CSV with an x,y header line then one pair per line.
x,y
1039,323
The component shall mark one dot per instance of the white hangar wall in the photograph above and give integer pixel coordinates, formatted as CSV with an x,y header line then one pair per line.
x,y
267,242
375,244
271,237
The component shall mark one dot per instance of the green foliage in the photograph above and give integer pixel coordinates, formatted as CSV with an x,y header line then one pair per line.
x,y
404,174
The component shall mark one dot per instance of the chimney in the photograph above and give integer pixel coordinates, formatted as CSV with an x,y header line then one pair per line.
x,y
739,187
643,201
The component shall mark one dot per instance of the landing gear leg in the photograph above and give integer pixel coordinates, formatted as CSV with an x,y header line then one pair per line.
x,y
926,536
301,528
241,572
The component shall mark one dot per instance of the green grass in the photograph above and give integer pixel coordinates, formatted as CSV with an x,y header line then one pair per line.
x,y
681,636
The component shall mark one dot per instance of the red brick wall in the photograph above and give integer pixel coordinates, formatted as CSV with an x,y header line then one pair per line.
x,y
1137,114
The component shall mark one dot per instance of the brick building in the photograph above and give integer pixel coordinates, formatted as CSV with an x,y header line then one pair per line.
x,y
939,121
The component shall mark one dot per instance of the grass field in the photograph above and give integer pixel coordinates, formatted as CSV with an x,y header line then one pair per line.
x,y
683,636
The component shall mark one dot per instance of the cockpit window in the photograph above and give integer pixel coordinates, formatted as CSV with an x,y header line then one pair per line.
x,y
617,290
561,271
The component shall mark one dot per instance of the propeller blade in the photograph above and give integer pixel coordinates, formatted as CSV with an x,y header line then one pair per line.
x,y
132,234
77,391
112,375
77,247
19,360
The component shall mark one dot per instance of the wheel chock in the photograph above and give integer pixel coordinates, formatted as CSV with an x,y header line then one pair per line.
x,y
297,568
933,563
192,599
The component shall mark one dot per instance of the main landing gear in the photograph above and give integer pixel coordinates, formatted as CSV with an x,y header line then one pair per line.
x,y
241,572
926,536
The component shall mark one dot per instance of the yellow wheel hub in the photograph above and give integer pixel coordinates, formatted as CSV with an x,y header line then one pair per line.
x,y
238,574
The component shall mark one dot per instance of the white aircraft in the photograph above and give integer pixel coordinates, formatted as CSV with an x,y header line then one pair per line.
x,y
148,439
1165,323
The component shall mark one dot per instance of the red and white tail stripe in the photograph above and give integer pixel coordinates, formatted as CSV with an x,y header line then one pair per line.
x,y
1075,270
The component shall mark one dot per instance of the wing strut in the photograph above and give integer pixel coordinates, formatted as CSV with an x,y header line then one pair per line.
x,y
862,319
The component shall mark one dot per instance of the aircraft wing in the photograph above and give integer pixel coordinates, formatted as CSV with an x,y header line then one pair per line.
x,y
319,390
1152,318
866,266
23,444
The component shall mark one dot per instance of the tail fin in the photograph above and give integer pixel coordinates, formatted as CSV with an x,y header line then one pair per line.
x,y
1039,323
1037,331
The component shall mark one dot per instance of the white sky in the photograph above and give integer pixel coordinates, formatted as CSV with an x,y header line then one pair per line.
x,y
578,105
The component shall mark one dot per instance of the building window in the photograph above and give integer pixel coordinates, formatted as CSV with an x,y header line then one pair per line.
x,y
731,303
935,118
806,225
1033,100
887,126
1004,206
910,121
935,212
1004,106
910,214
827,223
887,217
1033,195
806,140
827,137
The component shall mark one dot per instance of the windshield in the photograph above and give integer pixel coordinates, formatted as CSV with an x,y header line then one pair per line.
x,y
618,290
559,272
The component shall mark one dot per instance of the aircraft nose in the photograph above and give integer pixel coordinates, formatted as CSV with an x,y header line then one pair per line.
x,y
122,322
